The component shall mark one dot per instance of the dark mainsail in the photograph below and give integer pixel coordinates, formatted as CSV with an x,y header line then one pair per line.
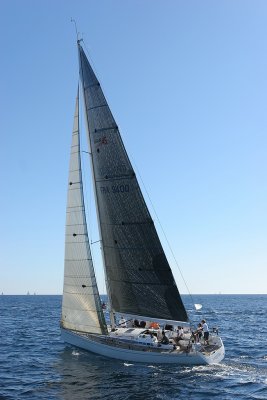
x,y
139,278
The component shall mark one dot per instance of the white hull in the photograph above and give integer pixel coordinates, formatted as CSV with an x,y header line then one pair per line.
x,y
163,357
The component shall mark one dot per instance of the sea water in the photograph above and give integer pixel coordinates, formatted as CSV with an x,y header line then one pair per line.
x,y
35,364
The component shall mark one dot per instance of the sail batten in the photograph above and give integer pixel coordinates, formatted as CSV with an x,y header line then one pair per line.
x,y
81,305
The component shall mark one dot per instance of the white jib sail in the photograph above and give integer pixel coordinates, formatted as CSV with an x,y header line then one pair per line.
x,y
81,305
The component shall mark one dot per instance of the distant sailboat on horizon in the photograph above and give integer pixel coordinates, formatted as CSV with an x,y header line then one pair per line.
x,y
139,280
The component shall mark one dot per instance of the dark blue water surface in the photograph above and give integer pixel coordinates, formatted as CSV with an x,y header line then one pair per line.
x,y
35,364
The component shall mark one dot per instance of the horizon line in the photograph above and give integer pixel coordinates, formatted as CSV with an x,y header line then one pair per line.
x,y
104,294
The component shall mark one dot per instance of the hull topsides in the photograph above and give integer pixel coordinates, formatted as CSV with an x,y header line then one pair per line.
x,y
144,355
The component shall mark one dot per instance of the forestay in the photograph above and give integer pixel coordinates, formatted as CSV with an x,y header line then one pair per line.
x,y
139,278
81,306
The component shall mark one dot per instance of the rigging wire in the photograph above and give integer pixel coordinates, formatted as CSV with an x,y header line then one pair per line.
x,y
165,236
87,203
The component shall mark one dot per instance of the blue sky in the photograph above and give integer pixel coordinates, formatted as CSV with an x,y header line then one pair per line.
x,y
187,84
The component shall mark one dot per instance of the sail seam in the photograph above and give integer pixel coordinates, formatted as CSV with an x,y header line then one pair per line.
x,y
66,321
127,223
125,248
81,292
101,105
80,241
143,283
74,224
75,207
115,177
92,85
82,309
80,277
79,330
77,259
105,129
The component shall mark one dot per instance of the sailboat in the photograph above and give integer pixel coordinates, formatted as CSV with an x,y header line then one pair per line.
x,y
139,281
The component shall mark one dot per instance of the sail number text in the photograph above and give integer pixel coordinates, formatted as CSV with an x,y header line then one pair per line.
x,y
115,189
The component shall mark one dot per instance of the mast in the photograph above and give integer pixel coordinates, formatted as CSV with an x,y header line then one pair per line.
x,y
111,311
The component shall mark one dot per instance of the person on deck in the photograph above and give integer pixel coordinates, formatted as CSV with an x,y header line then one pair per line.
x,y
198,333
180,334
154,325
205,331
122,322
164,339
136,323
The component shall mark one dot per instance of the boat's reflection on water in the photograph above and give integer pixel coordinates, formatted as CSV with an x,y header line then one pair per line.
x,y
81,375
84,375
